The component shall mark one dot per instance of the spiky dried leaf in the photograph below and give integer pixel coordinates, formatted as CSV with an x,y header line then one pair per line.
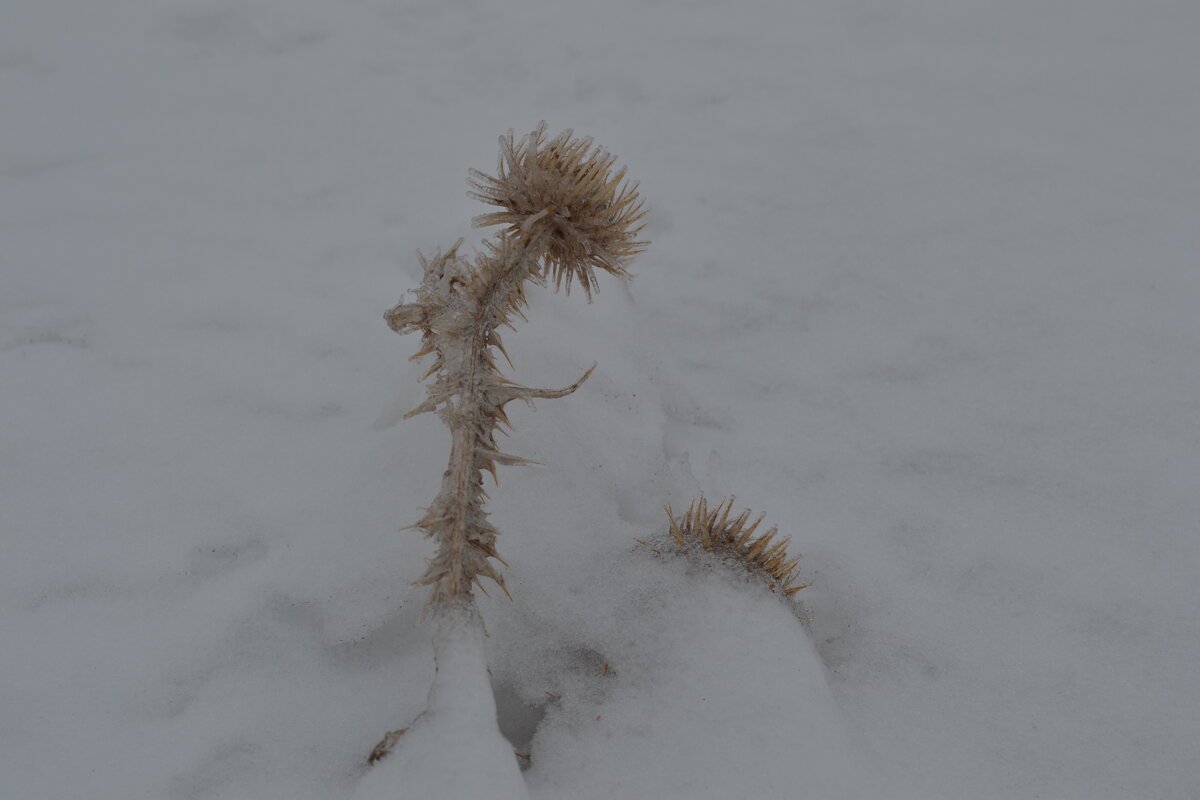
x,y
712,530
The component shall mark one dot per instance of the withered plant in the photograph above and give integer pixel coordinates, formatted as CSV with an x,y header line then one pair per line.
x,y
715,531
565,215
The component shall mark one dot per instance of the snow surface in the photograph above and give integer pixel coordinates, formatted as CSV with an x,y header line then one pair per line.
x,y
922,288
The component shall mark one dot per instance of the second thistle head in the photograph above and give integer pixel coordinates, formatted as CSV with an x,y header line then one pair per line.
x,y
560,197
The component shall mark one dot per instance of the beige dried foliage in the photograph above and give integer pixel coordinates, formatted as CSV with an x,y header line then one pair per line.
x,y
566,214
713,530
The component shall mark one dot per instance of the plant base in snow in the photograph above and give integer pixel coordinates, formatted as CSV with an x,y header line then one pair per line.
x,y
454,749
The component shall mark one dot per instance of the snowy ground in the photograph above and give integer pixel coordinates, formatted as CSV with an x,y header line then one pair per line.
x,y
923,288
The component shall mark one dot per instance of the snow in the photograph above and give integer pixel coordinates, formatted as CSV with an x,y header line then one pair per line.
x,y
454,748
922,288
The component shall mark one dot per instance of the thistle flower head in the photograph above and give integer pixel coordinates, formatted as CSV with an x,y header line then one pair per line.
x,y
561,197
712,529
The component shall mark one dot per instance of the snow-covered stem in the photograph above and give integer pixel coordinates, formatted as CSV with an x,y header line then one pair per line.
x,y
454,749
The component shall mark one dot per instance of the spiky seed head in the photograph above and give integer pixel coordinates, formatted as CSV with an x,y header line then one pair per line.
x,y
561,197
711,529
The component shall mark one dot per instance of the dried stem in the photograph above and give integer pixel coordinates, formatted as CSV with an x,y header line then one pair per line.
x,y
565,216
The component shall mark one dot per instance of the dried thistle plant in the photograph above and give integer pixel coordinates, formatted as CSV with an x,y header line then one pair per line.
x,y
565,214
711,529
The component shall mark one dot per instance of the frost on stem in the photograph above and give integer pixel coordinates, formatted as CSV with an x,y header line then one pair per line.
x,y
565,214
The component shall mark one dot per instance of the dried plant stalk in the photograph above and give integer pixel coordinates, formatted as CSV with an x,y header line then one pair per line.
x,y
566,214
712,529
